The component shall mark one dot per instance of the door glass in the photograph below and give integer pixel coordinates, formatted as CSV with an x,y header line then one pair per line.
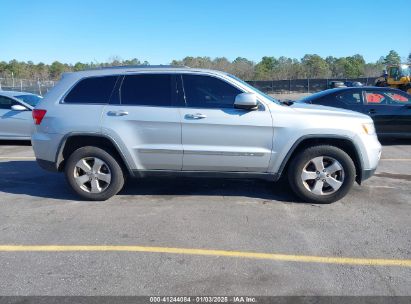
x,y
208,92
399,98
350,98
386,98
147,89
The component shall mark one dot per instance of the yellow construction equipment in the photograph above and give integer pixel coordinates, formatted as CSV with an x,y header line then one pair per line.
x,y
396,76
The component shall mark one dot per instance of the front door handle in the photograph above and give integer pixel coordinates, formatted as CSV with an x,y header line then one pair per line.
x,y
117,113
372,111
195,116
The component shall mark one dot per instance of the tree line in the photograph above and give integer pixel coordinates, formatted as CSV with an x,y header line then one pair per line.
x,y
268,68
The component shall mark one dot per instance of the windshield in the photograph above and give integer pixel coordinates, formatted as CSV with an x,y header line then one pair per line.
x,y
254,89
32,100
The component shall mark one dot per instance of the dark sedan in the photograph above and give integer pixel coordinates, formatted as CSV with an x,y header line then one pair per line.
x,y
389,108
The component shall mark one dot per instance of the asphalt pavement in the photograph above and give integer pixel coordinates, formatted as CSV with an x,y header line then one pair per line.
x,y
181,234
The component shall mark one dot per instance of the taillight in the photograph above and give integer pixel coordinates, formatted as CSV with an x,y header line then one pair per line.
x,y
38,115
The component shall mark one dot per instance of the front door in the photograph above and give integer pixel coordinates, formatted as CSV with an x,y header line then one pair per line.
x,y
218,137
390,111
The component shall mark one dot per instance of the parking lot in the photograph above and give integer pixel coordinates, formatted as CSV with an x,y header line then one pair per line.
x,y
203,237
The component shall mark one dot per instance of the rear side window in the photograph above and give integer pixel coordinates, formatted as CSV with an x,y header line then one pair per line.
x,y
208,92
5,103
350,98
92,90
147,89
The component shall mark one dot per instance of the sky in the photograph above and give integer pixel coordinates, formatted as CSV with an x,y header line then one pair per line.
x,y
162,30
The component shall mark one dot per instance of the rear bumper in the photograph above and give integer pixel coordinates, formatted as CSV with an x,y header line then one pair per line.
x,y
47,165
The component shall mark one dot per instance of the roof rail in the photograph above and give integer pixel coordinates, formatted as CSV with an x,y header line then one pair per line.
x,y
136,67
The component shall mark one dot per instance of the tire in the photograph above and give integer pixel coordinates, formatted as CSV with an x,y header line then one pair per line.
x,y
94,174
311,184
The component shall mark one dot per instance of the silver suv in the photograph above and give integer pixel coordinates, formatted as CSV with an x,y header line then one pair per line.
x,y
100,126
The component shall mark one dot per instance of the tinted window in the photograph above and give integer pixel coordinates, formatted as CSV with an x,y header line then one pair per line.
x,y
399,98
148,89
32,100
6,103
208,92
350,98
92,90
386,98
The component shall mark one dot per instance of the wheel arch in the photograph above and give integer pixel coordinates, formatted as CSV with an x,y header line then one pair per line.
x,y
342,142
74,141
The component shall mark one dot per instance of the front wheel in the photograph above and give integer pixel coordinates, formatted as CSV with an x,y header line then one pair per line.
x,y
94,174
321,174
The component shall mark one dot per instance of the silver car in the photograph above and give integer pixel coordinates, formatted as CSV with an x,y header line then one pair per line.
x,y
99,126
16,122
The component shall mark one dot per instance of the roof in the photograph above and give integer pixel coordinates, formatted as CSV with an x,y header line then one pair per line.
x,y
14,93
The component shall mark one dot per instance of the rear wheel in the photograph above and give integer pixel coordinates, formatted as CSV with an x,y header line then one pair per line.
x,y
94,174
321,174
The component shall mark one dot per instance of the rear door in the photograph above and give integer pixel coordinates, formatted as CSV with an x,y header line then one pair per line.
x,y
146,121
14,124
218,137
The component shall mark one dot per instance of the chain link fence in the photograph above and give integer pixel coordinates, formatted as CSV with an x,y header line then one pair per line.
x,y
39,87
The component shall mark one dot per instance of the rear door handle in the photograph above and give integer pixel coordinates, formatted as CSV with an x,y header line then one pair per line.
x,y
195,116
372,111
117,113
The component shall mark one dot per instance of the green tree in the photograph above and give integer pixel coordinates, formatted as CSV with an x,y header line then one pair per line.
x,y
265,68
392,58
315,66
409,58
56,69
354,66
79,66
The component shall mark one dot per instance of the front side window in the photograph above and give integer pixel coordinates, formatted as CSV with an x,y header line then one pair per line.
x,y
350,98
399,98
208,92
386,98
147,89
96,90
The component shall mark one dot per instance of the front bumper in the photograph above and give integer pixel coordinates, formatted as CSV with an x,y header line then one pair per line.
x,y
365,174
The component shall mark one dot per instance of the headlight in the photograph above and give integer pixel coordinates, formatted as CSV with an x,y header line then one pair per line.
x,y
369,128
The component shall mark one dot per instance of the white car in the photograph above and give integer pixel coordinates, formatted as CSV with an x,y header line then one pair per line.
x,y
16,122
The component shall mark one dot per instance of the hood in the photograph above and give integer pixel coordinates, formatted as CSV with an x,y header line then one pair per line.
x,y
324,110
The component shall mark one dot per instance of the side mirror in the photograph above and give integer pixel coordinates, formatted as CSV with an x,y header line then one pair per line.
x,y
246,101
18,108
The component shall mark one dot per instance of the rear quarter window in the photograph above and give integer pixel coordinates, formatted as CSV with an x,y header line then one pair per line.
x,y
96,90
